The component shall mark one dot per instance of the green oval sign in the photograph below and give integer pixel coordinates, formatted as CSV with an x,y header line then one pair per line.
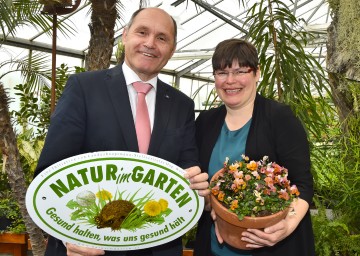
x,y
114,200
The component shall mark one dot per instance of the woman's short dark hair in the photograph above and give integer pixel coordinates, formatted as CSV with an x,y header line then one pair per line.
x,y
230,50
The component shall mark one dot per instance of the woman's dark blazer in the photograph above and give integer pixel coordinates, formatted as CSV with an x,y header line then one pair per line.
x,y
274,132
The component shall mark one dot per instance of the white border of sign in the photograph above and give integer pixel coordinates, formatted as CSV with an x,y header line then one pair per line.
x,y
68,201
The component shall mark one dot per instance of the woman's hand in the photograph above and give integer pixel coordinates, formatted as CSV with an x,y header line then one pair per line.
x,y
75,250
257,238
274,234
217,233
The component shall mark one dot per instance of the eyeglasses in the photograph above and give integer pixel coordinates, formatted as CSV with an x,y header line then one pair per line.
x,y
222,75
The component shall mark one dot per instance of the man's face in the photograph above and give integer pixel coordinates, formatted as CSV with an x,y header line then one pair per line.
x,y
149,42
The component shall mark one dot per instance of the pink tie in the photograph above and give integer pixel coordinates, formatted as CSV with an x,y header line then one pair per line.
x,y
142,122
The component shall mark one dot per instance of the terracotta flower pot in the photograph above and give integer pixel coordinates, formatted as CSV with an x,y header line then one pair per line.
x,y
230,227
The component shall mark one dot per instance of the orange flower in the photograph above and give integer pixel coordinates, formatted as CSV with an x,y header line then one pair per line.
x,y
234,205
252,165
215,190
239,182
277,168
294,190
233,167
269,181
283,194
221,196
234,188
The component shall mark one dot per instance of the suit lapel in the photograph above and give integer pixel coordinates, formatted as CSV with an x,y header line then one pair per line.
x,y
162,114
213,132
116,86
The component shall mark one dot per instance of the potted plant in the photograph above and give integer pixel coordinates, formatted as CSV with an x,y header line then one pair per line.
x,y
11,219
249,194
12,228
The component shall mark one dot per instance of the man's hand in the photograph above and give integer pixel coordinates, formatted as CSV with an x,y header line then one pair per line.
x,y
198,180
75,250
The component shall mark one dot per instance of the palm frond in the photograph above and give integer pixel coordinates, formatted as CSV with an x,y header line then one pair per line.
x,y
34,69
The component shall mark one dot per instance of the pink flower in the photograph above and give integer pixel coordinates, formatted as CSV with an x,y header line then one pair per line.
x,y
238,175
255,174
283,194
247,177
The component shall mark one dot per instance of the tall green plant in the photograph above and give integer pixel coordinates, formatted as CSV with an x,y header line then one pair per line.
x,y
15,14
337,166
289,73
33,69
34,112
15,175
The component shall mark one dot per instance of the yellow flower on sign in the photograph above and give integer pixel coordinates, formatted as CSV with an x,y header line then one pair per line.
x,y
164,204
104,195
152,208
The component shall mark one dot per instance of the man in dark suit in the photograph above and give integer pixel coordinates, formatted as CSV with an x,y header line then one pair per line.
x,y
97,112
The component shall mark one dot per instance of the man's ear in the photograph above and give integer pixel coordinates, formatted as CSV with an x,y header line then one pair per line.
x,y
173,51
123,37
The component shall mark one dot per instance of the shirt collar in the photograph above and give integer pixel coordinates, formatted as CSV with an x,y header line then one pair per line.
x,y
131,76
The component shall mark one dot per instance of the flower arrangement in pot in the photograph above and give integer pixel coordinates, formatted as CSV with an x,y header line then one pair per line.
x,y
250,194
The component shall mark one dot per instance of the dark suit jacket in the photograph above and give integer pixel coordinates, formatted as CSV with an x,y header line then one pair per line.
x,y
94,114
274,132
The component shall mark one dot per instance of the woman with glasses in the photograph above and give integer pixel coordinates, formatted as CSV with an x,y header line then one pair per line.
x,y
250,124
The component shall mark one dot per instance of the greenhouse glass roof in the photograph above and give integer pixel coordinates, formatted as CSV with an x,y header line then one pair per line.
x,y
201,26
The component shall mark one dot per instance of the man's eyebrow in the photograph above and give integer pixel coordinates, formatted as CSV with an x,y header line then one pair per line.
x,y
141,27
159,33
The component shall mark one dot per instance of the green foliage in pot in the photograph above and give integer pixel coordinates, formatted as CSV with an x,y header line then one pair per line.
x,y
9,211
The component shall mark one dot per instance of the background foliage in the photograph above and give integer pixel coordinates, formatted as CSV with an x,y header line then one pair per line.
x,y
289,75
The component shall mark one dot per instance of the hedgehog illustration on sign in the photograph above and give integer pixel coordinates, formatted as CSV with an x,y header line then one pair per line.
x,y
113,214
119,211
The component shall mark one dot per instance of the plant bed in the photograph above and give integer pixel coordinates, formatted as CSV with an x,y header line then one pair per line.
x,y
188,252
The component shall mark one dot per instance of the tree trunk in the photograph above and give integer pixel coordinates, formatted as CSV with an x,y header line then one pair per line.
x,y
102,25
343,57
15,173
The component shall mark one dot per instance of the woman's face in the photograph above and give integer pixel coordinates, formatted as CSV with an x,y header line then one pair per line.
x,y
236,86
